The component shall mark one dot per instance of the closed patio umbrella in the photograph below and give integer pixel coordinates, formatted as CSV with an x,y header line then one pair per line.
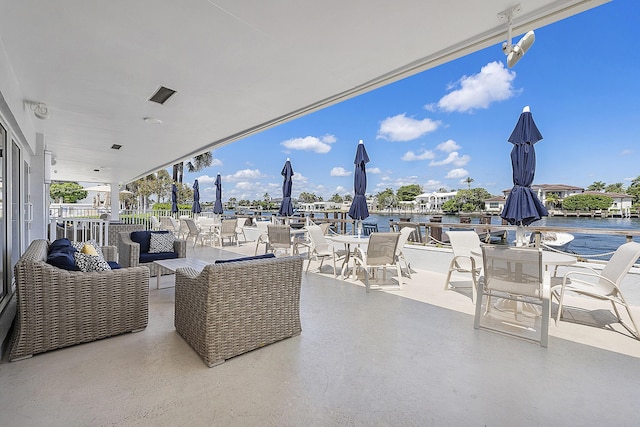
x,y
217,206
358,209
195,208
523,206
286,207
174,198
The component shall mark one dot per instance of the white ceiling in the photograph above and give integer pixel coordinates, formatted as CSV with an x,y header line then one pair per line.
x,y
238,66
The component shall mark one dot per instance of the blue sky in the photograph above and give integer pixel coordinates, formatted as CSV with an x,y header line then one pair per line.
x,y
435,129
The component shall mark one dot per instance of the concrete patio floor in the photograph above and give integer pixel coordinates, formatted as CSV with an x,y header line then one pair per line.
x,y
391,358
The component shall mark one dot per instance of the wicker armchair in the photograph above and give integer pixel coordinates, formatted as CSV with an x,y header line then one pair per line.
x,y
232,308
58,308
129,252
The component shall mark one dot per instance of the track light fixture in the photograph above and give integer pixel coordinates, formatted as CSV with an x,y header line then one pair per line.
x,y
515,52
40,109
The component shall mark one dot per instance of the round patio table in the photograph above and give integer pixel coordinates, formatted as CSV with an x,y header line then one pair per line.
x,y
348,240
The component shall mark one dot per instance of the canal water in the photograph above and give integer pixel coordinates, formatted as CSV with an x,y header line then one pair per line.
x,y
582,244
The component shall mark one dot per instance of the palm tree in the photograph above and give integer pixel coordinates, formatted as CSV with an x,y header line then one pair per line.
x,y
552,199
197,163
469,180
596,186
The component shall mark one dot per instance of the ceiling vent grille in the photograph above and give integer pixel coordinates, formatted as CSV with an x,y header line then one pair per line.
x,y
161,95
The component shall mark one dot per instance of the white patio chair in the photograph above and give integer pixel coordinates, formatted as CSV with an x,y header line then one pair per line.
x,y
193,231
166,223
320,249
603,285
514,274
380,253
227,230
404,237
263,237
463,243
240,228
155,224
279,238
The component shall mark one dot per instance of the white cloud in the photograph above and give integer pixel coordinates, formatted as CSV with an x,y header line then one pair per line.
x,y
453,158
431,185
403,128
243,175
448,146
298,178
626,152
310,143
410,156
493,83
374,170
457,173
245,185
329,139
341,190
338,171
206,179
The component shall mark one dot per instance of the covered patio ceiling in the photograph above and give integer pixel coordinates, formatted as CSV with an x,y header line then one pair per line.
x,y
238,66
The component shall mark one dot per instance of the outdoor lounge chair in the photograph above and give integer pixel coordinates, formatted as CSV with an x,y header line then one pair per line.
x,y
404,237
463,243
227,230
516,275
380,253
193,231
603,285
240,228
279,238
320,248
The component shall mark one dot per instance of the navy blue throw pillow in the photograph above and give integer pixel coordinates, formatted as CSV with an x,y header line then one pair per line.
x,y
114,265
60,243
62,257
223,261
143,238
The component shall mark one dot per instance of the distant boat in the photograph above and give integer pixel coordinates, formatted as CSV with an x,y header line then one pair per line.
x,y
556,240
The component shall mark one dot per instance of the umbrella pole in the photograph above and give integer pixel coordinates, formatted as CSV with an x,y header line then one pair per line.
x,y
520,235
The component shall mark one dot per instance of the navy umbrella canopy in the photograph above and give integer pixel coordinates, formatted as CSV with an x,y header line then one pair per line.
x,y
523,206
195,208
217,206
174,198
359,210
286,207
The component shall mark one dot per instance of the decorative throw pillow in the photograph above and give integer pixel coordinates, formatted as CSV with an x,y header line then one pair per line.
x,y
88,263
92,242
161,242
89,250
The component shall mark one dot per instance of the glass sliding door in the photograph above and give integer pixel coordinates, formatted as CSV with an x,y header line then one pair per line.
x,y
4,285
16,212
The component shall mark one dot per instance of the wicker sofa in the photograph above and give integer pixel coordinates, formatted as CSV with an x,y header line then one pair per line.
x,y
58,308
232,308
129,253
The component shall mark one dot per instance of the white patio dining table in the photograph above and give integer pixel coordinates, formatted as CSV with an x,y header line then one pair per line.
x,y
348,240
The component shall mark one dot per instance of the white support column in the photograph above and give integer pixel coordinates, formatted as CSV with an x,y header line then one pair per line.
x,y
115,201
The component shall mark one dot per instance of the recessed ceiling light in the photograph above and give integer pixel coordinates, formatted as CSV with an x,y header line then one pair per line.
x,y
116,146
152,120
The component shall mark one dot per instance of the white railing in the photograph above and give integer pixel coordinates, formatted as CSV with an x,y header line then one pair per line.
x,y
79,229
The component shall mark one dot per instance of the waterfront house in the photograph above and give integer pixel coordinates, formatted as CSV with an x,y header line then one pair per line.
x,y
494,205
432,202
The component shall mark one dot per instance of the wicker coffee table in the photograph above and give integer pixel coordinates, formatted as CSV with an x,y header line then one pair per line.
x,y
172,264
